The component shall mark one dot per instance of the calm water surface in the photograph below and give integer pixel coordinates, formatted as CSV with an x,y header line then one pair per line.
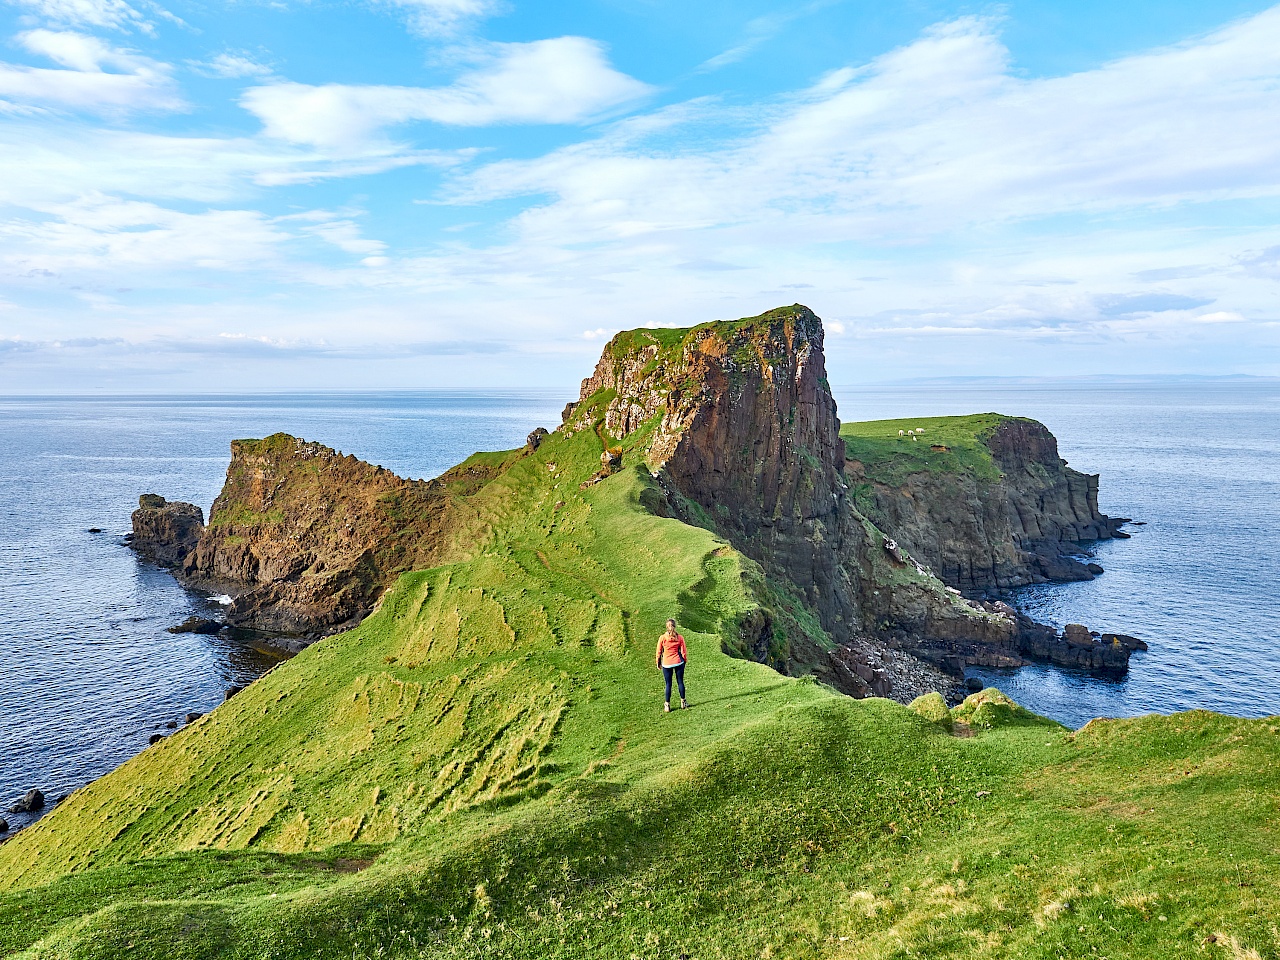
x,y
88,673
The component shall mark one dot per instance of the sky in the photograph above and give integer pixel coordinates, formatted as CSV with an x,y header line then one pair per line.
x,y
258,195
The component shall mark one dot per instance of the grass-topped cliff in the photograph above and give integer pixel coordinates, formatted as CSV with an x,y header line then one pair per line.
x,y
985,500
958,445
482,769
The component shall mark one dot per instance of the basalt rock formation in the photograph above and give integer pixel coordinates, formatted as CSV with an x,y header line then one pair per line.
x,y
165,533
303,538
736,423
1024,522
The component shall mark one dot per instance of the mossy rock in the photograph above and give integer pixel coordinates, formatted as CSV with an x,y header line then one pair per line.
x,y
933,708
990,708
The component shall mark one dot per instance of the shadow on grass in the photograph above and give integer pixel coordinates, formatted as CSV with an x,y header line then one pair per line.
x,y
741,695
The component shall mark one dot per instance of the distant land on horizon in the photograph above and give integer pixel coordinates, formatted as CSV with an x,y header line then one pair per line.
x,y
1100,378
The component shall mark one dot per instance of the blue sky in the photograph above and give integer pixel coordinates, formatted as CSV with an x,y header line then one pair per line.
x,y
279,194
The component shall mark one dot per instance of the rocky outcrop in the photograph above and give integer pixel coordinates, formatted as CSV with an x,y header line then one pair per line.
x,y
32,802
165,533
1024,523
745,439
303,538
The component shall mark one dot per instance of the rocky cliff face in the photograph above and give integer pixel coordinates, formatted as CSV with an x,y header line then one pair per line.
x,y
743,435
979,532
745,431
165,533
303,538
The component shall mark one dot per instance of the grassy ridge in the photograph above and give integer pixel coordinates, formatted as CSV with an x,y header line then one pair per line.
x,y
482,769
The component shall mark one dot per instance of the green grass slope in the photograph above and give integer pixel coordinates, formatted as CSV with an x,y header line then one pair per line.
x,y
482,769
889,458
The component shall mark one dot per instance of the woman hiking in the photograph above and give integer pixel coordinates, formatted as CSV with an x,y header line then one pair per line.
x,y
672,655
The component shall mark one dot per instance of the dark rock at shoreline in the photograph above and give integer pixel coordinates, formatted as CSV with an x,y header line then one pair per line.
x,y
1095,568
155,738
4,825
196,625
171,725
166,533
231,692
973,684
1129,643
31,801
193,717
94,530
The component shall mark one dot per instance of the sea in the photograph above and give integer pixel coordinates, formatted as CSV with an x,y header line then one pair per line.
x,y
88,672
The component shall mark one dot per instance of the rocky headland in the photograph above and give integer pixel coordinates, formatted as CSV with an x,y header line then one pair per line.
x,y
302,538
483,765
985,501
736,423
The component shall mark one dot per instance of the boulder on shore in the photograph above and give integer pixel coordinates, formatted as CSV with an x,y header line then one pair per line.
x,y
196,625
31,801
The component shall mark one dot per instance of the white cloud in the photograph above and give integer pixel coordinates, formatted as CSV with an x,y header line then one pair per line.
x,y
444,17
138,83
563,80
346,236
231,66
98,234
109,14
1220,316
929,138
57,160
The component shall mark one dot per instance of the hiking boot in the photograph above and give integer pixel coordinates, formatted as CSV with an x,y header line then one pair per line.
x,y
683,704
666,708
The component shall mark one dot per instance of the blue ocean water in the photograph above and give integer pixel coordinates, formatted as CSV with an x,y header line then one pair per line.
x,y
88,673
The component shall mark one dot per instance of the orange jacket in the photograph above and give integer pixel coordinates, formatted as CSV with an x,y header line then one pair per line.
x,y
671,651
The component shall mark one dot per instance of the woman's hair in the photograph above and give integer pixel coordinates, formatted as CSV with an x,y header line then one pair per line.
x,y
671,624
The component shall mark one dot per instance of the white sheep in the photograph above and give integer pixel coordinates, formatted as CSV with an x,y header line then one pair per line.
x,y
901,433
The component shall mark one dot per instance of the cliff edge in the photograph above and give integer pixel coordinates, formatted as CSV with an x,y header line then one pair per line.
x,y
737,421
985,501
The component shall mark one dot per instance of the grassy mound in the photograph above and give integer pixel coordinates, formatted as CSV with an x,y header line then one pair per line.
x,y
482,769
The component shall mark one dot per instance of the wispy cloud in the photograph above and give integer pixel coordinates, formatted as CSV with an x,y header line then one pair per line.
x,y
105,14
98,78
231,66
758,32
444,18
565,80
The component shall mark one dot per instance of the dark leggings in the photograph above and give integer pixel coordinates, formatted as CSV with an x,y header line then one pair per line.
x,y
678,672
